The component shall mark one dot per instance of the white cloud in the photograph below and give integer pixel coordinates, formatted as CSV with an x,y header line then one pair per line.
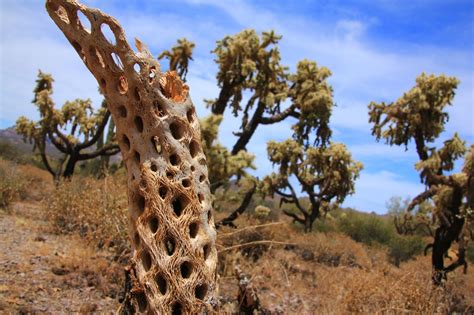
x,y
363,70
350,30
373,190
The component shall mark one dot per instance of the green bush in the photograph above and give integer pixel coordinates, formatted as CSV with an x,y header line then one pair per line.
x,y
7,151
12,153
403,248
366,228
324,226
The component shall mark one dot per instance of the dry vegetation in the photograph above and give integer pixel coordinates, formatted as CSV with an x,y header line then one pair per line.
x,y
331,273
291,272
45,272
96,209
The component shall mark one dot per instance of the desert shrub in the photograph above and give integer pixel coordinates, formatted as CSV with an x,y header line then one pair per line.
x,y
323,226
262,213
13,184
96,209
403,248
366,228
12,153
470,252
8,151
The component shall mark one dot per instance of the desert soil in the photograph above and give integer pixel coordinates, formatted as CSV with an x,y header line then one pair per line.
x,y
41,272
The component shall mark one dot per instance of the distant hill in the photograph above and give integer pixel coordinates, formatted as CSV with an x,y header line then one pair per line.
x,y
9,137
13,147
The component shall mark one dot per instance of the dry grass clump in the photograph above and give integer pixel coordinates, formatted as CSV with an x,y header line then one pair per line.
x,y
408,289
83,267
96,209
332,274
19,182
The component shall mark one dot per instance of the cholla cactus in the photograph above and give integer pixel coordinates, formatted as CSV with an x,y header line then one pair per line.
x,y
223,164
251,63
74,130
171,226
326,175
420,115
179,57
262,212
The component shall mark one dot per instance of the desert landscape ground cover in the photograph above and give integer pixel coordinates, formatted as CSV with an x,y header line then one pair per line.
x,y
57,258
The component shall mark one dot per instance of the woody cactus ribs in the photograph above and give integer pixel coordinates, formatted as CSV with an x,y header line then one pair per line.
x,y
171,226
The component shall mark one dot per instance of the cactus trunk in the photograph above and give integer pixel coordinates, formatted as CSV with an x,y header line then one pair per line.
x,y
171,227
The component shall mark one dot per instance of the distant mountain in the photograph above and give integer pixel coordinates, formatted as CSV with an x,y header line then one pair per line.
x,y
10,137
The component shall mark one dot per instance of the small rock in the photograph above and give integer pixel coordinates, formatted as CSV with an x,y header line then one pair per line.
x,y
289,247
307,255
60,271
40,238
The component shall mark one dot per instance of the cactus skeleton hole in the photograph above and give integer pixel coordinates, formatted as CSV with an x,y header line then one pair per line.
x,y
84,20
174,159
146,260
201,291
170,245
186,183
194,148
162,284
96,57
139,123
137,157
142,302
107,33
193,229
186,269
122,111
137,68
160,142
117,60
190,115
153,224
159,109
176,309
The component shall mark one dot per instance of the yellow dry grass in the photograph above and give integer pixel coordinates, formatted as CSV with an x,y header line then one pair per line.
x,y
96,209
332,274
313,273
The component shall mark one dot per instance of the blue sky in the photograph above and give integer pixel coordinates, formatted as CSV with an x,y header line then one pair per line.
x,y
375,50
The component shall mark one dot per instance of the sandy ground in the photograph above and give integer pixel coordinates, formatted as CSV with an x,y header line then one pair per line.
x,y
45,273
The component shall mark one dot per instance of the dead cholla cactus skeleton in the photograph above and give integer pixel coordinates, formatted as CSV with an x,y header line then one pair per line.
x,y
174,256
224,167
419,116
326,176
73,130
